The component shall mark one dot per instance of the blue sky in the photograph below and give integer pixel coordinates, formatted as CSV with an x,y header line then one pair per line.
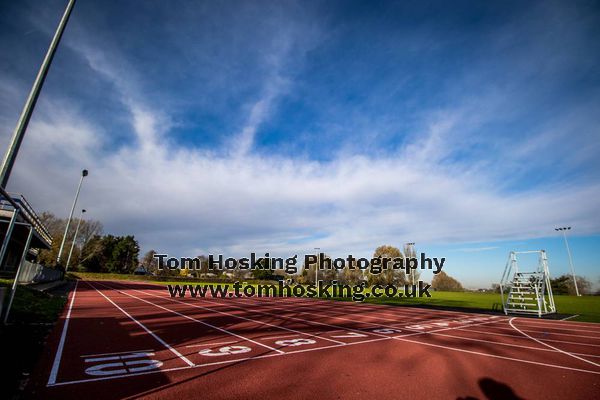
x,y
470,128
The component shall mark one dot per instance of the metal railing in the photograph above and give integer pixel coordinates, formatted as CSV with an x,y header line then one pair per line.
x,y
17,201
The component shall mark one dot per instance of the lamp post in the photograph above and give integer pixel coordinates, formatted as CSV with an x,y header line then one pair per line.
x,y
84,173
74,239
407,249
564,230
317,266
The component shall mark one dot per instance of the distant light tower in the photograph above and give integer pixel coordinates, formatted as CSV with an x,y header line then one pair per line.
x,y
409,251
84,173
564,230
317,266
74,239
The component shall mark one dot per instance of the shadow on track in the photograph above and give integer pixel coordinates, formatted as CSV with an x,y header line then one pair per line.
x,y
494,390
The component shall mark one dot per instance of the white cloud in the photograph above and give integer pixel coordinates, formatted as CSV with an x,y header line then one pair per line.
x,y
187,201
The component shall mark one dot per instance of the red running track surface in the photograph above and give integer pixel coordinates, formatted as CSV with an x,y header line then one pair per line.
x,y
120,340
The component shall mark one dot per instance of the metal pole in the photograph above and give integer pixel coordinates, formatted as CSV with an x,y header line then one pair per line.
x,y
6,240
16,281
19,132
571,261
317,266
74,239
83,175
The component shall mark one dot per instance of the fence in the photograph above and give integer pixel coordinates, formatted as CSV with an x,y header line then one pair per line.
x,y
35,273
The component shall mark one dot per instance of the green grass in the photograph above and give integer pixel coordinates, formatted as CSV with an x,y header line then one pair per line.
x,y
31,318
32,306
586,307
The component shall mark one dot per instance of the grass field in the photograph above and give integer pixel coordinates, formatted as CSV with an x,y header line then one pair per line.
x,y
32,316
586,307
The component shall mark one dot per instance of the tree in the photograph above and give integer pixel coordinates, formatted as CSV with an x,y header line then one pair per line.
x,y
389,276
445,282
56,228
111,254
150,263
350,276
564,285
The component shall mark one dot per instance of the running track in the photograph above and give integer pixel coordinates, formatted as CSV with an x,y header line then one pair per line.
x,y
120,340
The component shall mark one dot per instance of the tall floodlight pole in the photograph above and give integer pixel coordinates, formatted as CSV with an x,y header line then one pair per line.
x,y
564,232
407,250
74,239
84,173
317,266
17,138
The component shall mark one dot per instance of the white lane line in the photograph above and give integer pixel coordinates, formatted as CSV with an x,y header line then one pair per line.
x,y
279,337
552,347
243,318
521,337
406,325
508,344
120,357
116,352
549,333
197,320
154,335
61,343
328,307
322,348
330,314
395,311
333,346
218,362
500,357
209,344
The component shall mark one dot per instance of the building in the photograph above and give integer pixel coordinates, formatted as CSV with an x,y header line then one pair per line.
x,y
17,219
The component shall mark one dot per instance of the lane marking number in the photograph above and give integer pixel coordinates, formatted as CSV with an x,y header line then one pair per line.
x,y
122,364
386,331
295,342
350,335
225,351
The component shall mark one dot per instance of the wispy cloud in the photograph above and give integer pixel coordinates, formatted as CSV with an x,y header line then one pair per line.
x,y
449,177
477,249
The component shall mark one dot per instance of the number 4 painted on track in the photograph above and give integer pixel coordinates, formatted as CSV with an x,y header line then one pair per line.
x,y
225,351
350,335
